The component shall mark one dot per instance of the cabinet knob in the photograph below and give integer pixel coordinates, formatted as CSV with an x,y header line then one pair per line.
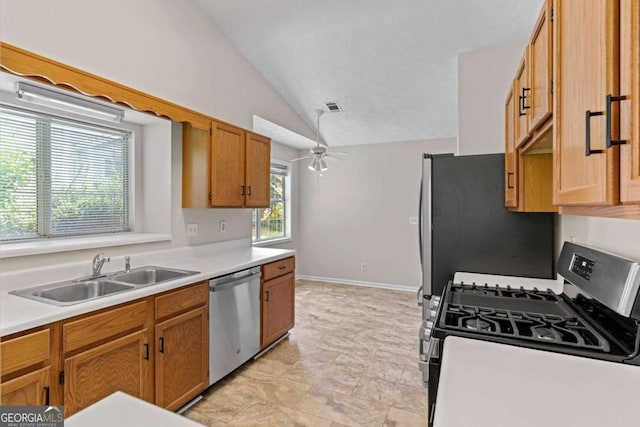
x,y
266,297
161,344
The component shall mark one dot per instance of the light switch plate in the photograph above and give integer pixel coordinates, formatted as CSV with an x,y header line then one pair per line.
x,y
413,220
223,226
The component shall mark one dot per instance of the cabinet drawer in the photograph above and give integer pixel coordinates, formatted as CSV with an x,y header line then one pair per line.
x,y
278,268
79,333
181,300
25,351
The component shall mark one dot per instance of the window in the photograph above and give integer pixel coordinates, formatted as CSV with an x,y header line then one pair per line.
x,y
60,177
273,222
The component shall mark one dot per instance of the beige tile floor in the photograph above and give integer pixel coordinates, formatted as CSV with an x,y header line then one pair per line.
x,y
350,360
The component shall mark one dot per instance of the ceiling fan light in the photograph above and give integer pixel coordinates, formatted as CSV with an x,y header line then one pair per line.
x,y
323,165
315,164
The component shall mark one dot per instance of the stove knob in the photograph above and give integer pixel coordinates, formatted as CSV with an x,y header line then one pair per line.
x,y
431,314
429,325
435,302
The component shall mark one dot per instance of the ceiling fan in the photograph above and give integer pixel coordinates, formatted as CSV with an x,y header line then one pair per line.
x,y
319,153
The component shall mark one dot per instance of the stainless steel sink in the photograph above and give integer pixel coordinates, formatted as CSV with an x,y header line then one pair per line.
x,y
150,275
69,293
74,292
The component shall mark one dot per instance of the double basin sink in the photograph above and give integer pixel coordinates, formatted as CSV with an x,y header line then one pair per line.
x,y
74,292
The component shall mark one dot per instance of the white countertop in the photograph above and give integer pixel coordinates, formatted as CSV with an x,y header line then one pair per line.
x,y
485,384
120,409
18,313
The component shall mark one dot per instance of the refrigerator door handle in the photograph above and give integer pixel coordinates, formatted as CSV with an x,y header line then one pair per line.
x,y
420,221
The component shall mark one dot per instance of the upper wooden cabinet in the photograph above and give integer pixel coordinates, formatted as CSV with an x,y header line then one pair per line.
x,y
224,166
258,170
630,107
597,158
510,157
522,90
586,71
540,66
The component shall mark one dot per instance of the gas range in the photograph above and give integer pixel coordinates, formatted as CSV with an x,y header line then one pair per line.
x,y
596,315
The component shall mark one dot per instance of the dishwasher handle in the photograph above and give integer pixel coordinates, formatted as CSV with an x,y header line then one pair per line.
x,y
234,279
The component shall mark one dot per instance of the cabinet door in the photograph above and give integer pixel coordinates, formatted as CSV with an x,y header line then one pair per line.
x,y
119,365
258,171
541,69
586,71
31,389
227,166
278,308
196,156
510,159
182,358
522,95
630,107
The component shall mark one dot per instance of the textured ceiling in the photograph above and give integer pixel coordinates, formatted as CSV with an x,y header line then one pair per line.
x,y
391,64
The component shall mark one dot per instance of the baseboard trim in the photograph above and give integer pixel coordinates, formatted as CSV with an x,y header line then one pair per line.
x,y
390,286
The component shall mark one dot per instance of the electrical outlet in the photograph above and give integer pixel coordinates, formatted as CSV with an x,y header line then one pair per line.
x,y
363,266
223,226
413,220
192,230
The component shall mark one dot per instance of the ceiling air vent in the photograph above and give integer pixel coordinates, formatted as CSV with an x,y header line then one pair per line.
x,y
333,107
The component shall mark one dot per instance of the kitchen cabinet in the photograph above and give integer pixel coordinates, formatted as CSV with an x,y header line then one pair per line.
x,y
26,370
106,352
224,166
528,124
118,365
540,67
277,305
258,170
31,389
522,89
587,70
182,345
510,157
597,158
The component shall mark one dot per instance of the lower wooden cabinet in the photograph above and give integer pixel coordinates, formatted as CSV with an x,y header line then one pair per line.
x,y
182,358
277,308
119,365
33,389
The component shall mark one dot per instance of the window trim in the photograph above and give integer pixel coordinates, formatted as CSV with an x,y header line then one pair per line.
x,y
287,208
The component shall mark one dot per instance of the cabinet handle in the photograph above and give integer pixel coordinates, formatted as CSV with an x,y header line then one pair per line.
x,y
266,299
161,344
509,175
282,267
242,190
248,190
587,131
611,142
522,105
46,396
146,352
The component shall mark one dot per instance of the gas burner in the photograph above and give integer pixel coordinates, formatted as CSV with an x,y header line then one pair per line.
x,y
476,324
545,334
548,328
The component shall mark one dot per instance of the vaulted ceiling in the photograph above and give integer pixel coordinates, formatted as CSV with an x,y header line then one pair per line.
x,y
390,64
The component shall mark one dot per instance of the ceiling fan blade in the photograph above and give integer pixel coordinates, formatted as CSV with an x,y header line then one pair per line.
x,y
340,152
329,156
301,158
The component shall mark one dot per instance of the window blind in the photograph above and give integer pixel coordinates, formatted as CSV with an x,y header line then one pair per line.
x,y
76,182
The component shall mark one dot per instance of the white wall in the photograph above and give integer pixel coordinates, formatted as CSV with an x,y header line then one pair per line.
x,y
619,236
359,212
167,48
483,81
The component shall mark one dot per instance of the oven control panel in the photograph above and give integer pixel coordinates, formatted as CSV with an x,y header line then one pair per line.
x,y
582,266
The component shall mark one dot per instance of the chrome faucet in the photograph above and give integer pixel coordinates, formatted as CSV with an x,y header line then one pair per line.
x,y
96,265
127,264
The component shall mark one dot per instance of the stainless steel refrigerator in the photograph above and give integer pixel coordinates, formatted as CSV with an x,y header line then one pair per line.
x,y
464,225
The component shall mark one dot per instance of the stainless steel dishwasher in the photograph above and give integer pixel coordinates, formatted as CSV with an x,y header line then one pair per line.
x,y
234,321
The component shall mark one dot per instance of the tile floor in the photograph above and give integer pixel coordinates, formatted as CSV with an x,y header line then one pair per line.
x,y
350,360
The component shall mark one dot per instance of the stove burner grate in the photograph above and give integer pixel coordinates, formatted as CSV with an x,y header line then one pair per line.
x,y
563,330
